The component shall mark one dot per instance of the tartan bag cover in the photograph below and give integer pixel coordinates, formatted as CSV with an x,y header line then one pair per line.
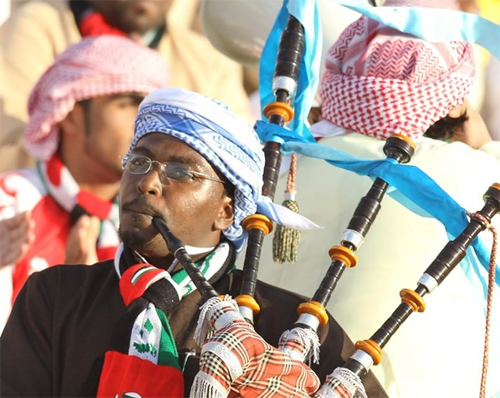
x,y
236,359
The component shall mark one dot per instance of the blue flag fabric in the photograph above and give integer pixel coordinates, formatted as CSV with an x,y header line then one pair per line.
x,y
419,21
409,185
306,11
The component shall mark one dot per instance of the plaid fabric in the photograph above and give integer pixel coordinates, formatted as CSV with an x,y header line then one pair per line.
x,y
379,82
237,359
95,66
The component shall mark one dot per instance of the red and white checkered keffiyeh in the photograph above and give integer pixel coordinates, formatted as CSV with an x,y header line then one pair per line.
x,y
95,66
379,81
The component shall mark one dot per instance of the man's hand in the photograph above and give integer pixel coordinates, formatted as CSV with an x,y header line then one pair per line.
x,y
82,239
17,234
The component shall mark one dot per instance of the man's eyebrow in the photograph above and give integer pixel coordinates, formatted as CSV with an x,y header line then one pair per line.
x,y
143,151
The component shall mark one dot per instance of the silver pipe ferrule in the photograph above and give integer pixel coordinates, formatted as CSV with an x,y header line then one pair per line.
x,y
363,358
353,237
428,282
246,312
309,320
284,83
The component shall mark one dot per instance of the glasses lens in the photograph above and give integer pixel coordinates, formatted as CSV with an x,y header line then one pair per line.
x,y
177,172
137,164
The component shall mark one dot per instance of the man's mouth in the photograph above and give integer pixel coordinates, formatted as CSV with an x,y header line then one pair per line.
x,y
141,213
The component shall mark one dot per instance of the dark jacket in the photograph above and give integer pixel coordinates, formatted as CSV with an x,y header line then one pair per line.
x,y
62,320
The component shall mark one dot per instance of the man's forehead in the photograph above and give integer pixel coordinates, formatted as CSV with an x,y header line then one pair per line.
x,y
164,147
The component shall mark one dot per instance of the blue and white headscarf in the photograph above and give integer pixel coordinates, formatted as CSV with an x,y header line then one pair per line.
x,y
226,141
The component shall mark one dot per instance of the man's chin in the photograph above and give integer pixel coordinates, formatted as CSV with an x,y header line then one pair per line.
x,y
136,240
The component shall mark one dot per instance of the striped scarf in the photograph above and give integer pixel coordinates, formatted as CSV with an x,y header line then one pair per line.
x,y
62,187
56,220
143,357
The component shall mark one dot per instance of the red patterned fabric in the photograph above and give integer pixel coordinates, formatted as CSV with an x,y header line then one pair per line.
x,y
379,81
138,378
94,24
445,4
132,287
55,200
95,66
263,370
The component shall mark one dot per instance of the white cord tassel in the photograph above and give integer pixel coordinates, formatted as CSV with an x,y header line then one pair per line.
x,y
204,330
342,383
209,313
300,344
205,386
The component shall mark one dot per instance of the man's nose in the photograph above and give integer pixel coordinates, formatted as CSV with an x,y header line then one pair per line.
x,y
150,182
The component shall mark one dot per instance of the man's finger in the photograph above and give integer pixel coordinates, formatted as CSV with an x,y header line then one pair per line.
x,y
15,255
16,236
18,220
81,244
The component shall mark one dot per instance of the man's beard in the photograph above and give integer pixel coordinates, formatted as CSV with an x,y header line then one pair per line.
x,y
146,246
133,239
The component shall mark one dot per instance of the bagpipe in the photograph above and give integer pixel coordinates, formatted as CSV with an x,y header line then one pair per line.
x,y
231,331
229,343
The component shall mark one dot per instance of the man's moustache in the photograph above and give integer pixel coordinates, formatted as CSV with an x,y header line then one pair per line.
x,y
141,206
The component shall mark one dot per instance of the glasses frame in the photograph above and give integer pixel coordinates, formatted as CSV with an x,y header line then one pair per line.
x,y
192,173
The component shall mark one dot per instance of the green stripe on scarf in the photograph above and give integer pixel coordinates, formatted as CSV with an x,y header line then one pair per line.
x,y
168,355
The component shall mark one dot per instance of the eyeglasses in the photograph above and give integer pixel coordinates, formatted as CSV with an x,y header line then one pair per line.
x,y
169,171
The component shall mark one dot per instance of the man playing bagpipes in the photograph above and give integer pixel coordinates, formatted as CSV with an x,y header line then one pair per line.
x,y
127,326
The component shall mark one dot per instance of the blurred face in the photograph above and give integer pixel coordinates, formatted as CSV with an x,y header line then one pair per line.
x,y
195,211
133,16
109,129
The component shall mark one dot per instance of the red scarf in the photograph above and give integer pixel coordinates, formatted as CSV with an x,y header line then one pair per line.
x,y
94,24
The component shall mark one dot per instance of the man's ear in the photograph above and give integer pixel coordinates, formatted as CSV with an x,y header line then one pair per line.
x,y
225,217
74,122
458,110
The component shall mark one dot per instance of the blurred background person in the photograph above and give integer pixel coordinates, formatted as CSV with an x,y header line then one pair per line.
x,y
38,30
81,120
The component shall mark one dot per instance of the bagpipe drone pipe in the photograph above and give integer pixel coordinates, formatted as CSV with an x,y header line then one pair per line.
x,y
279,112
301,341
345,381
